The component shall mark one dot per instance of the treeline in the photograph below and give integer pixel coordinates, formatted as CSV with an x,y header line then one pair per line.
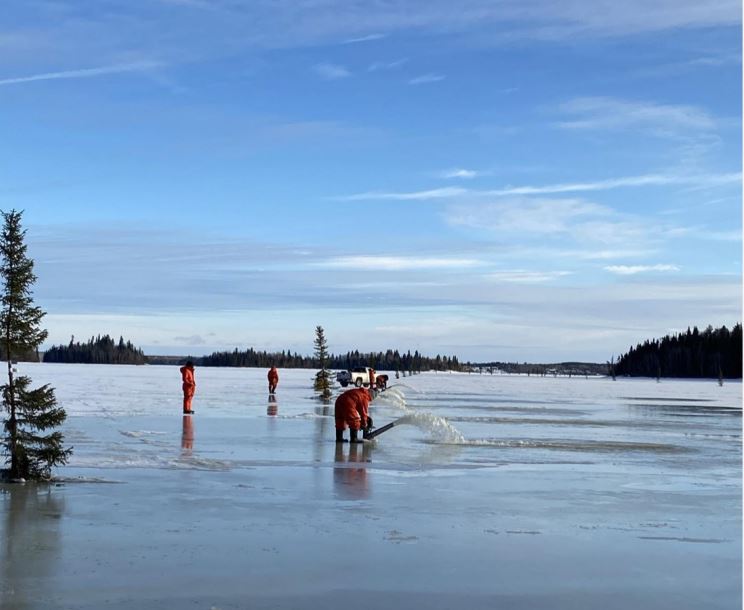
x,y
391,360
525,368
710,353
98,350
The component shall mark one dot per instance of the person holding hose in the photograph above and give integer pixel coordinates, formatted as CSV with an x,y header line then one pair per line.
x,y
352,410
273,377
189,386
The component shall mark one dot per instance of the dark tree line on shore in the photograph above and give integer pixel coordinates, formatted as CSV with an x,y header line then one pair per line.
x,y
391,360
710,353
97,350
525,368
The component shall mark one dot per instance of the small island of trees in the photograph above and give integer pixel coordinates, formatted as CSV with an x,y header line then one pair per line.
x,y
97,350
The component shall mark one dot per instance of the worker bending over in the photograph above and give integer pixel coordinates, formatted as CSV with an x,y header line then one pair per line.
x,y
352,410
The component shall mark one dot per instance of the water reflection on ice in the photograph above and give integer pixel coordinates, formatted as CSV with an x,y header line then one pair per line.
x,y
633,486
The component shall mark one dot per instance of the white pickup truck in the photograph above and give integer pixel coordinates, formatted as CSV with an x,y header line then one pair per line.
x,y
358,376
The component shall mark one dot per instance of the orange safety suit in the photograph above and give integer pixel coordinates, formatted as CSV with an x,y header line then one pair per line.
x,y
189,385
351,409
372,378
273,377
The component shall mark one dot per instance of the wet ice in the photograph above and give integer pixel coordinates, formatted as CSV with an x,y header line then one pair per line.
x,y
524,492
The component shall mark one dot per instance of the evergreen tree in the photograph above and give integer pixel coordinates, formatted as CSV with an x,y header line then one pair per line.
x,y
323,376
98,350
30,452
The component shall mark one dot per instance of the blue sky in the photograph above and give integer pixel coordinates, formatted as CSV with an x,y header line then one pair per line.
x,y
510,180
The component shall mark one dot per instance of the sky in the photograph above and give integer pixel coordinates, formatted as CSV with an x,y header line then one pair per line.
x,y
509,180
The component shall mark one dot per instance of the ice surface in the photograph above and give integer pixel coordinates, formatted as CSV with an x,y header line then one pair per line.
x,y
508,491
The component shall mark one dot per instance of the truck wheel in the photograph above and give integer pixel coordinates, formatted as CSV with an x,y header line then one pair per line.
x,y
358,383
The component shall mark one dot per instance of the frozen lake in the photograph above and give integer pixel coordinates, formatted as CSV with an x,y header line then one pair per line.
x,y
504,491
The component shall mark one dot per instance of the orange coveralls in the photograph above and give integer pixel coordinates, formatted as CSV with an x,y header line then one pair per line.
x,y
189,385
351,409
273,377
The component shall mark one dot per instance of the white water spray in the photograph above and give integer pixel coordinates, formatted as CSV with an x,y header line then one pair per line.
x,y
437,427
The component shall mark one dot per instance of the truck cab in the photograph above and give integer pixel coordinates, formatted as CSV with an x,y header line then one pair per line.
x,y
358,376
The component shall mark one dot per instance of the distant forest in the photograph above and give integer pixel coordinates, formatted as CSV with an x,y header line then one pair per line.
x,y
710,353
525,368
98,350
391,360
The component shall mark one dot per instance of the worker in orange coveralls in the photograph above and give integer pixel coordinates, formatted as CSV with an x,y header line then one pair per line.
x,y
273,377
381,382
351,409
189,385
372,377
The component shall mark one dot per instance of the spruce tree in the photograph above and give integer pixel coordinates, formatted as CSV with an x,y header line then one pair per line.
x,y
31,412
323,376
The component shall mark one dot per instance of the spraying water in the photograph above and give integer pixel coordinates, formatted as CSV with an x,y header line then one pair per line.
x,y
437,427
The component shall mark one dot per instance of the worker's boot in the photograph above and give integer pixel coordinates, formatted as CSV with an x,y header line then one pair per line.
x,y
340,436
353,435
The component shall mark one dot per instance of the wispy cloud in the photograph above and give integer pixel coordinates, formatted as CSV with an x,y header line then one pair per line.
x,y
523,276
520,216
706,180
635,269
331,71
628,181
606,113
190,340
460,173
85,72
368,38
426,79
386,65
398,263
228,25
440,193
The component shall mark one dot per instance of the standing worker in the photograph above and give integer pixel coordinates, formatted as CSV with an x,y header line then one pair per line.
x,y
189,385
273,379
351,409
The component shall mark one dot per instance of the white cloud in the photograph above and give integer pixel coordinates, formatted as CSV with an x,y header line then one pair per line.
x,y
85,72
607,254
398,263
440,193
522,215
618,114
58,33
634,269
629,181
426,78
368,38
190,340
460,173
386,65
331,71
706,180
523,276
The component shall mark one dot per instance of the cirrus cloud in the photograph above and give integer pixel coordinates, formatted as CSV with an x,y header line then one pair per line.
x,y
635,269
